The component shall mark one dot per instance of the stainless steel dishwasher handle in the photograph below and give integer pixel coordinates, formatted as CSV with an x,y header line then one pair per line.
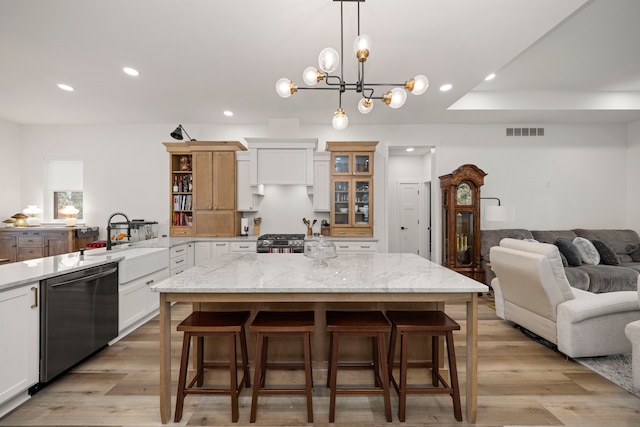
x,y
86,278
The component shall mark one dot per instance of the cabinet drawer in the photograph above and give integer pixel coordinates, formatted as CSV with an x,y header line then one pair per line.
x,y
243,246
30,241
26,253
357,247
178,262
178,251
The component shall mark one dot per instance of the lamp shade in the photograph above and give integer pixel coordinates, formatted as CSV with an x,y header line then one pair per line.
x,y
500,213
365,105
284,87
328,60
340,120
177,134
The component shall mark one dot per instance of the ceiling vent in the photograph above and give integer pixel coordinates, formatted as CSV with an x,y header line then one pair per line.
x,y
525,131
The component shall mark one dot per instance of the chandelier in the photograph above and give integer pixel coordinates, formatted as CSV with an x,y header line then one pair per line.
x,y
328,61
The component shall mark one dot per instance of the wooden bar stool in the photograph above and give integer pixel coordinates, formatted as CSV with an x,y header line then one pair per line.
x,y
430,323
358,324
202,324
281,324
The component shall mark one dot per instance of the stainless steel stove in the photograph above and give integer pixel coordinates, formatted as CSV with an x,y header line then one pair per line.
x,y
281,243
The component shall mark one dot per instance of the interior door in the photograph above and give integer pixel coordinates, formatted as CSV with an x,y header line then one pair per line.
x,y
409,218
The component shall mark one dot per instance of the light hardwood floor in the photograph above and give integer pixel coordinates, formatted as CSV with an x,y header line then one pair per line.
x,y
521,383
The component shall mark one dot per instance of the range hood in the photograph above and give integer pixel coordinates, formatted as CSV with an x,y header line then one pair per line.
x,y
283,161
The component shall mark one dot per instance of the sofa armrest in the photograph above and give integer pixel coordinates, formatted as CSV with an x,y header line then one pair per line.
x,y
593,325
587,305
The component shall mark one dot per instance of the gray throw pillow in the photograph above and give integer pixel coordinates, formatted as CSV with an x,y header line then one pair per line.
x,y
569,250
607,255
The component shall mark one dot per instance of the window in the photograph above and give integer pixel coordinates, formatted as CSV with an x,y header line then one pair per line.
x,y
64,187
66,198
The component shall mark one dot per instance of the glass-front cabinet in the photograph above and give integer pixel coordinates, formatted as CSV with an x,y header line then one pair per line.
x,y
461,220
350,205
352,163
352,188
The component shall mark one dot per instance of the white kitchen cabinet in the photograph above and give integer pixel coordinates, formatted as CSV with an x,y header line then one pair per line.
x,y
19,340
321,182
137,303
247,198
181,258
355,246
204,251
243,247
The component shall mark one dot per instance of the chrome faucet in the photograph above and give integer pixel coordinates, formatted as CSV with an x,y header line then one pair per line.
x,y
109,228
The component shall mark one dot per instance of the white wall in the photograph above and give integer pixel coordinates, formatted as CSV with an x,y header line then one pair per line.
x,y
633,177
10,170
575,176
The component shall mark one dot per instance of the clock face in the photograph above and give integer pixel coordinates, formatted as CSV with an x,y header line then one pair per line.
x,y
463,195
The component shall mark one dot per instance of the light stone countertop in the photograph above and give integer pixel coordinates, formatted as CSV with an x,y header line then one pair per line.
x,y
296,273
17,274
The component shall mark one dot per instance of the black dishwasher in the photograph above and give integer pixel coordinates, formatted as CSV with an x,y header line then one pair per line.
x,y
79,315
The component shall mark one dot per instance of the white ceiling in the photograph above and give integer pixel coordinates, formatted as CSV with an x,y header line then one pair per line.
x,y
557,61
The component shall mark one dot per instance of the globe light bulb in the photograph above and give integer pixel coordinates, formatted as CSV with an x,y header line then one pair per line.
x,y
417,85
397,97
340,120
285,87
328,59
362,47
311,76
365,105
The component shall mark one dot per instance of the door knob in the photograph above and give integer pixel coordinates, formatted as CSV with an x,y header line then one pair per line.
x,y
404,228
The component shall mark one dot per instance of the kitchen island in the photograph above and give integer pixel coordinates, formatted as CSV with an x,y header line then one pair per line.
x,y
354,278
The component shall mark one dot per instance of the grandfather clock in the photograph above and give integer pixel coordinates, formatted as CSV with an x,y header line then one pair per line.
x,y
461,220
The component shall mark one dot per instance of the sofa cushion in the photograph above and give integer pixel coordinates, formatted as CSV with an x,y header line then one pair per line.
x,y
577,278
607,255
610,278
570,251
588,252
550,236
635,255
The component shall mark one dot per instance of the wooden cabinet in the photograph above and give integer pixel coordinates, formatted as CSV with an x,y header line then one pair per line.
x,y
22,244
208,208
461,220
8,247
58,242
19,339
351,188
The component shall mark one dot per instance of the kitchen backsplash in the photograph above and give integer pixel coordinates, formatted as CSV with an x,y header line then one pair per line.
x,y
282,209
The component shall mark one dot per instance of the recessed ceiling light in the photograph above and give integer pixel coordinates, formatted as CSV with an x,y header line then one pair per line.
x,y
65,87
446,87
228,113
131,71
410,149
490,77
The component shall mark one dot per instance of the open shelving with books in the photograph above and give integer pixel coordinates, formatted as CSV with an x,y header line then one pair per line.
x,y
181,194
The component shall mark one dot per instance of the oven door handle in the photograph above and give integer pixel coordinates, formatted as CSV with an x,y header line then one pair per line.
x,y
87,278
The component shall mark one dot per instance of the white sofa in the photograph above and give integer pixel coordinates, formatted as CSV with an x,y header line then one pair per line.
x,y
531,290
633,333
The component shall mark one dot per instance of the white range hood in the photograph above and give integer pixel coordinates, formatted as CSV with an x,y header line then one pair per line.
x,y
283,161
